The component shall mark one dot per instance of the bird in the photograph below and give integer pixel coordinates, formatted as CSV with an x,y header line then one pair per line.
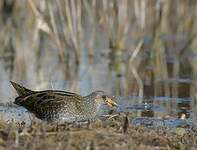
x,y
60,107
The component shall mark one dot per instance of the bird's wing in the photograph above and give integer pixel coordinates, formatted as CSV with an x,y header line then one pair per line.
x,y
56,97
49,100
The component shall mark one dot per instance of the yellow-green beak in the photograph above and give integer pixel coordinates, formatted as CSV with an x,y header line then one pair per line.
x,y
110,102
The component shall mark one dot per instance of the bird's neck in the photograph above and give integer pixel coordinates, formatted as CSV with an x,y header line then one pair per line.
x,y
90,102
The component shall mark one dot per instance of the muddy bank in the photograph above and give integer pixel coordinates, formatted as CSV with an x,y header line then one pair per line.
x,y
109,134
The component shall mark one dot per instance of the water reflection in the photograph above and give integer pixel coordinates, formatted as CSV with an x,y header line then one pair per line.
x,y
99,75
97,56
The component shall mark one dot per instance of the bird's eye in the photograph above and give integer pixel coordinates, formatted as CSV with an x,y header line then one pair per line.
x,y
104,97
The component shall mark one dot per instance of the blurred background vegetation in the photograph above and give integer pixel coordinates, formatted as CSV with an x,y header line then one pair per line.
x,y
125,47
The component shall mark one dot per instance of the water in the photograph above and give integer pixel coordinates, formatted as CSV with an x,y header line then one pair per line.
x,y
158,122
161,115
172,97
15,114
149,110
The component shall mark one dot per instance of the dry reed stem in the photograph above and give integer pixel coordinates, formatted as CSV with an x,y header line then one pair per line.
x,y
55,32
133,69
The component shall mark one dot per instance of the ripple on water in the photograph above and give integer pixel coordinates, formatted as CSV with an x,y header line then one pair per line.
x,y
155,122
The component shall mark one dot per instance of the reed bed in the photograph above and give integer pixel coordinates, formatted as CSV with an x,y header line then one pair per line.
x,y
150,45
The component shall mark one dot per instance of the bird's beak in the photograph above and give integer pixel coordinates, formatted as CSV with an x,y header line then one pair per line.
x,y
110,102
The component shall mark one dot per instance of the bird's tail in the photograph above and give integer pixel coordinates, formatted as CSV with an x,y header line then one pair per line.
x,y
22,91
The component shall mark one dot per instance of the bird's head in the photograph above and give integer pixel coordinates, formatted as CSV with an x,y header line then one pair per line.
x,y
101,98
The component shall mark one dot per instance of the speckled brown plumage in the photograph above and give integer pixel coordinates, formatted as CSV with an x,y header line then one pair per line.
x,y
61,106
